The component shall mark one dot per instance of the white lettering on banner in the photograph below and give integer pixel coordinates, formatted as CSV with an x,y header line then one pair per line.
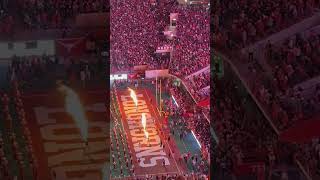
x,y
148,150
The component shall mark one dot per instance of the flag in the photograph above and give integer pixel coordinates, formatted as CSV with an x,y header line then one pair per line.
x,y
70,47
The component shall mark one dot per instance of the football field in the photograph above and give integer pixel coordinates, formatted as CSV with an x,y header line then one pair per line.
x,y
56,141
150,158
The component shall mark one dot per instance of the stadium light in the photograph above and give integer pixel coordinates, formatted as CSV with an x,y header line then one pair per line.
x,y
174,100
196,139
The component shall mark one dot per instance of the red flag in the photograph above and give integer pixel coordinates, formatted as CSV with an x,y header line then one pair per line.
x,y
71,47
132,76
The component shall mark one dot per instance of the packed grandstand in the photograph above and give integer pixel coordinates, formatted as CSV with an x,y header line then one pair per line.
x,y
269,91
264,79
52,58
160,50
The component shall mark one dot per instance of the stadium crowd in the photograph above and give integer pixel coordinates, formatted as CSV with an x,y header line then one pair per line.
x,y
295,61
17,157
43,14
55,14
6,19
238,23
283,76
192,46
134,34
245,136
37,71
309,156
282,93
199,85
191,116
137,34
230,115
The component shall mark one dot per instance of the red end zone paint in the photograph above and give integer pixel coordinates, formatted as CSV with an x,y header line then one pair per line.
x,y
57,142
150,153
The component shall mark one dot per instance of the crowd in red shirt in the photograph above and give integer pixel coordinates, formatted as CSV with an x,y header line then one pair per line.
x,y
245,136
137,31
237,23
45,14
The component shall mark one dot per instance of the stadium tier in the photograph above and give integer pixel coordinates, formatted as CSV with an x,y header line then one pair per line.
x,y
270,49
